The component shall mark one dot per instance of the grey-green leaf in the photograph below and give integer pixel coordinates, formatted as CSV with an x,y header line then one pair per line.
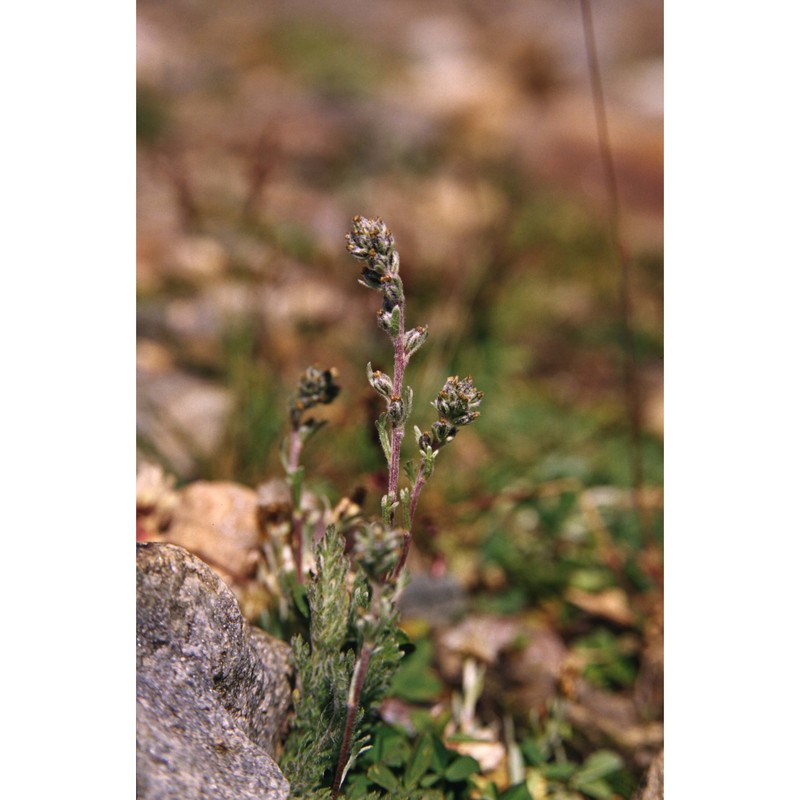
x,y
383,435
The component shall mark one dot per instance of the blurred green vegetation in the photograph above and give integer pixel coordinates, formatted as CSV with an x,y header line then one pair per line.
x,y
331,62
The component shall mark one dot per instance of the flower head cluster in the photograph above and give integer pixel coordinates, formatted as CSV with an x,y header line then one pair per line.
x,y
371,241
458,400
456,403
316,386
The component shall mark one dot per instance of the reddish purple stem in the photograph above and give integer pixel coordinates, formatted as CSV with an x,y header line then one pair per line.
x,y
295,446
415,493
353,701
400,361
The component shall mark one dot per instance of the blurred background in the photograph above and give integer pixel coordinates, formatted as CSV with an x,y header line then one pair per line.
x,y
471,131
470,128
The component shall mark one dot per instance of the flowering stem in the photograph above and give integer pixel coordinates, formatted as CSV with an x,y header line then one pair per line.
x,y
398,429
314,387
371,241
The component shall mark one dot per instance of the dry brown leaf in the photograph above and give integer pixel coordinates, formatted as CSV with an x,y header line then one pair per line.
x,y
611,604
606,717
490,755
482,637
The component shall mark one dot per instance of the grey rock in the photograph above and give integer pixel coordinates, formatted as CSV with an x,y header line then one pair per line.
x,y
439,600
181,416
653,788
212,692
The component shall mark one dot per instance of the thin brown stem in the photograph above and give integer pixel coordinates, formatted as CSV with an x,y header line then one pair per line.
x,y
630,370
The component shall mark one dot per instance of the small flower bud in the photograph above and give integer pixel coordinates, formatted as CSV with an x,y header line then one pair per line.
x,y
379,381
395,409
389,319
370,278
385,321
443,432
414,339
392,290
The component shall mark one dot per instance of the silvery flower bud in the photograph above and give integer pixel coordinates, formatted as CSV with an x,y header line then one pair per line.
x,y
379,381
424,441
385,321
370,278
414,339
395,409
392,290
443,432
389,319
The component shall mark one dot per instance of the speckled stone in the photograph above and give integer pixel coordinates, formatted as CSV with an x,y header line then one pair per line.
x,y
212,692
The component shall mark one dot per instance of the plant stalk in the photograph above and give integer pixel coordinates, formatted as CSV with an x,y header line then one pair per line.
x,y
630,369
353,700
295,448
415,493
398,429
